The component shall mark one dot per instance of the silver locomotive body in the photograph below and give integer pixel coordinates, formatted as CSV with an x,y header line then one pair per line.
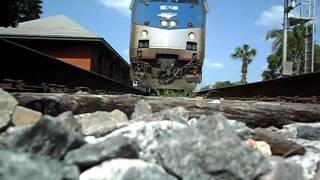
x,y
167,58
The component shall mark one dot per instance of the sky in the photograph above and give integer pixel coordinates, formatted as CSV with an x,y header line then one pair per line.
x,y
230,23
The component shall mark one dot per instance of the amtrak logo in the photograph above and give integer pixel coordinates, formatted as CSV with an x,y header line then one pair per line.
x,y
167,15
165,7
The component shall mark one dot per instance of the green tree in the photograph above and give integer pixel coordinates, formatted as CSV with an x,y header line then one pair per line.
x,y
296,52
13,12
273,71
220,84
223,84
246,54
317,58
276,35
205,88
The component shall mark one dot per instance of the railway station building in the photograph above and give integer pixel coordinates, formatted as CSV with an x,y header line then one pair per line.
x,y
64,39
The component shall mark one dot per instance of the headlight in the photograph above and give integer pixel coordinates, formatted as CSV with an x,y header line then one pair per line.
x,y
146,44
173,23
144,33
192,36
194,47
140,45
164,23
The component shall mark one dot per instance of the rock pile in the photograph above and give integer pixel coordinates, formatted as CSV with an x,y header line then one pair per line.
x,y
168,144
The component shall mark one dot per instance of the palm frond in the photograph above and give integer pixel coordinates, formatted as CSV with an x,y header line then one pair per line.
x,y
244,52
273,34
253,52
238,53
246,47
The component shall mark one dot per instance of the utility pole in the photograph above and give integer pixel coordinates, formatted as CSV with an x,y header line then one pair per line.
x,y
286,65
303,14
309,36
309,49
314,34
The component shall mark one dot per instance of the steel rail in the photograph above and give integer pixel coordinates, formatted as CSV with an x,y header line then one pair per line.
x,y
302,86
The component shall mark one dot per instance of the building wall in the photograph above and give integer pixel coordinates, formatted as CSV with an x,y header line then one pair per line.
x,y
93,57
109,65
75,54
83,63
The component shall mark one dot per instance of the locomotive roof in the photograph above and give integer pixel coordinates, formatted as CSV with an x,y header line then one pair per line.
x,y
55,26
205,1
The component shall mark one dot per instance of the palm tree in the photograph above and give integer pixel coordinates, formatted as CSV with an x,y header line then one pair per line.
x,y
246,54
277,36
317,58
295,45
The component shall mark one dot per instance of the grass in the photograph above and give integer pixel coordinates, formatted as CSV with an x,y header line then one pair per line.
x,y
174,93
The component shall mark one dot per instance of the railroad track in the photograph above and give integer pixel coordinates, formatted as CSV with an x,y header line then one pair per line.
x,y
304,100
297,89
27,70
19,86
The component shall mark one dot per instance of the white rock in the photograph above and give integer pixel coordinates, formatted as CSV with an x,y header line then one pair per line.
x,y
292,128
215,102
146,134
242,130
125,169
91,139
261,146
24,116
264,148
179,114
121,116
7,107
101,123
142,108
309,162
80,93
282,170
192,121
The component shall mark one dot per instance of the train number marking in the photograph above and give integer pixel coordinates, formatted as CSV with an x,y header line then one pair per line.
x,y
166,7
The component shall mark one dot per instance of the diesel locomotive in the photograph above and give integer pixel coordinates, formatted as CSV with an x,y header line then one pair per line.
x,y
167,46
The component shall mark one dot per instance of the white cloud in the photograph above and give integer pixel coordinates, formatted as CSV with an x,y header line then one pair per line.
x,y
120,5
271,18
213,65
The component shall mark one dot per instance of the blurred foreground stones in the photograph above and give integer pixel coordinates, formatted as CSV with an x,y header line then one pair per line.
x,y
86,137
7,107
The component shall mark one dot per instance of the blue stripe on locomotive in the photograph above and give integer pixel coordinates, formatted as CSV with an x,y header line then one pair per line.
x,y
186,13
